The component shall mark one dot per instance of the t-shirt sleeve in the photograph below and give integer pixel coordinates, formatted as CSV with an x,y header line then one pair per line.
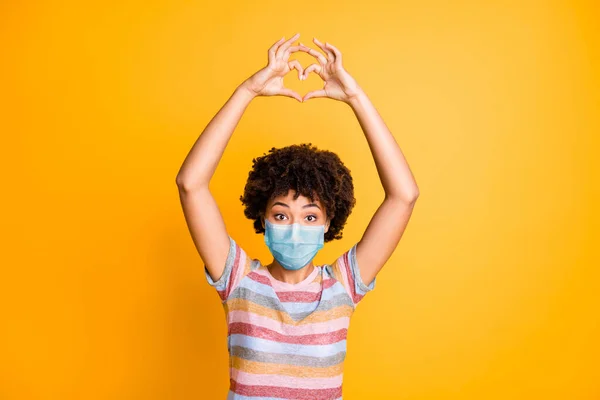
x,y
345,270
237,266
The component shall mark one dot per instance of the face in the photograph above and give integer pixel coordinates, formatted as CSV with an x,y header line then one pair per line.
x,y
285,210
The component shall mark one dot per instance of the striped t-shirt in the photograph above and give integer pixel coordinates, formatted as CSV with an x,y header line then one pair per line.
x,y
287,341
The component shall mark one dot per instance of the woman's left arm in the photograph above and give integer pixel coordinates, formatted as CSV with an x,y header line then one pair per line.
x,y
401,192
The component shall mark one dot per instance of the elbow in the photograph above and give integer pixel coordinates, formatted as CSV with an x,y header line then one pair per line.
x,y
412,195
187,185
410,200
183,184
404,198
413,198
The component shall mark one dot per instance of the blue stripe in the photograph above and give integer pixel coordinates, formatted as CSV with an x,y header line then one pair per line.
x,y
293,308
257,287
334,290
270,346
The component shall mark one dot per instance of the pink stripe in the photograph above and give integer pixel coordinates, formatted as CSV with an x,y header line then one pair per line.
x,y
306,329
309,294
284,392
258,276
358,297
286,381
328,282
313,287
298,297
269,334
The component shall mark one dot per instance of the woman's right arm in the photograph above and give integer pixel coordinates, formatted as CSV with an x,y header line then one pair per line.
x,y
202,215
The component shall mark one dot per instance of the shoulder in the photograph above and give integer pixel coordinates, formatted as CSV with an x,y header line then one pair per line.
x,y
345,269
237,266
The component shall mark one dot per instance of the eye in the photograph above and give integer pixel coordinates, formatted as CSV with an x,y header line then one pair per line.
x,y
276,215
314,216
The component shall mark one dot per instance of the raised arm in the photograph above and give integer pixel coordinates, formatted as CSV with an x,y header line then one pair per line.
x,y
201,212
391,218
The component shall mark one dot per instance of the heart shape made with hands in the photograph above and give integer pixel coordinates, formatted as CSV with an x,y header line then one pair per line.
x,y
302,75
337,83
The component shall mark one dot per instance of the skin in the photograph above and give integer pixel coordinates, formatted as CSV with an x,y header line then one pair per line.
x,y
201,212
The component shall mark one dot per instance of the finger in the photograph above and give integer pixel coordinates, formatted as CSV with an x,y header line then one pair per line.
x,y
296,64
310,68
274,48
327,51
285,45
290,50
290,93
315,93
320,57
338,54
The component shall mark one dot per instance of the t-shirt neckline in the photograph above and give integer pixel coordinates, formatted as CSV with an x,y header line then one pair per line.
x,y
277,284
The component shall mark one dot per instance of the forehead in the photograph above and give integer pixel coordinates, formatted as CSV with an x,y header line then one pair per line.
x,y
289,200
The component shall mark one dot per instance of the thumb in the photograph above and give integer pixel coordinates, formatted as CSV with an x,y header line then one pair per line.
x,y
315,93
290,93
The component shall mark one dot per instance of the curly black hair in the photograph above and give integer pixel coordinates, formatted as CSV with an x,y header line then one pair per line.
x,y
307,170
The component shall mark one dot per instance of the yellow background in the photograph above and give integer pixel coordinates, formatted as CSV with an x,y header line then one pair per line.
x,y
493,292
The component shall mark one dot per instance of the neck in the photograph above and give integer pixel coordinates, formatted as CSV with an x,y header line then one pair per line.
x,y
287,276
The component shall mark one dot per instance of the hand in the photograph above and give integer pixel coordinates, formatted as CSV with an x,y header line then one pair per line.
x,y
339,85
269,80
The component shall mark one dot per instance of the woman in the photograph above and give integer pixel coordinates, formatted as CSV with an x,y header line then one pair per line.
x,y
288,320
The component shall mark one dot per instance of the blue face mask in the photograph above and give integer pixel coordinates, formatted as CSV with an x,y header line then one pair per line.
x,y
295,245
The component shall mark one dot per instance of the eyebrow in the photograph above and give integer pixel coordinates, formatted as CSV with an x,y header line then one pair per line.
x,y
304,206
